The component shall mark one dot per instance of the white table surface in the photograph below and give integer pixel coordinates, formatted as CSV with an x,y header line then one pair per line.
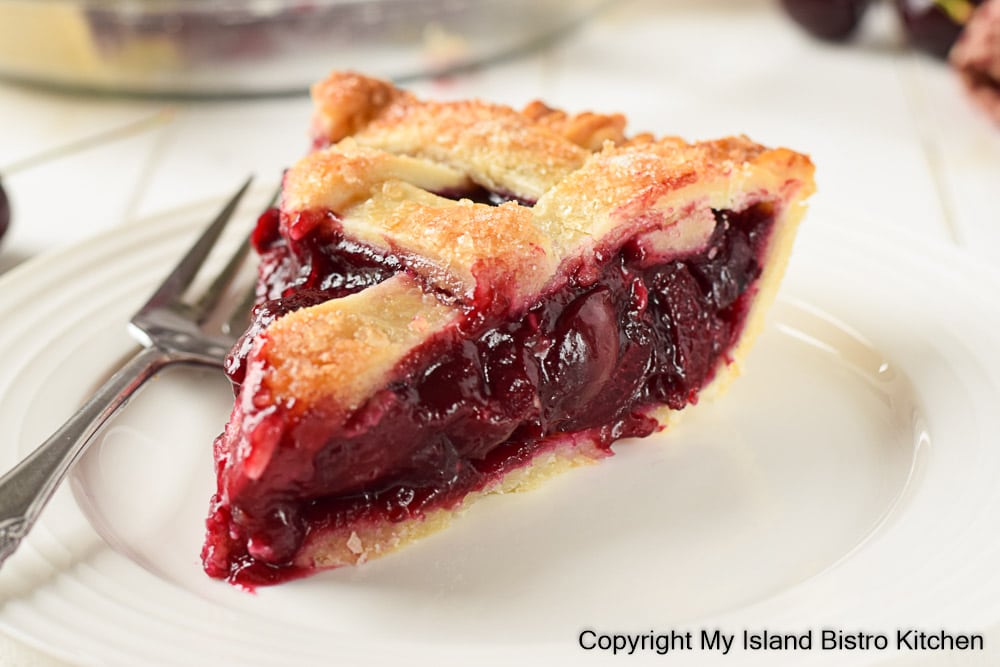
x,y
895,140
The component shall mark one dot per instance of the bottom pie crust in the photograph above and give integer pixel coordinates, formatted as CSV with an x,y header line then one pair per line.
x,y
359,543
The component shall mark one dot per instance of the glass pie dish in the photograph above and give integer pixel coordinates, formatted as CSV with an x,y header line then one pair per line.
x,y
262,47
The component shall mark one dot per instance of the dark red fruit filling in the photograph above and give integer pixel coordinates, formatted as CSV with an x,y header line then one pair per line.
x,y
591,357
300,273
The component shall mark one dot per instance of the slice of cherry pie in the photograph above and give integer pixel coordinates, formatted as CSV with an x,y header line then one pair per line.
x,y
457,298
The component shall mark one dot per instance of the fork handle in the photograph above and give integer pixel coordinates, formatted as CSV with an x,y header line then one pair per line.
x,y
28,487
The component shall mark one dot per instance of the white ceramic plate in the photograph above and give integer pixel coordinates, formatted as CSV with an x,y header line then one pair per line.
x,y
848,480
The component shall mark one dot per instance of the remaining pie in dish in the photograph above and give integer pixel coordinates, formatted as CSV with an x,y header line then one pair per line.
x,y
456,298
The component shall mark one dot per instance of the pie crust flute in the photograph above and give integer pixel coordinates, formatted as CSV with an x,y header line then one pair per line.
x,y
457,299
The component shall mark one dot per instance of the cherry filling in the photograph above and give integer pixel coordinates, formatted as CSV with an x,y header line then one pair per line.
x,y
589,360
481,195
300,273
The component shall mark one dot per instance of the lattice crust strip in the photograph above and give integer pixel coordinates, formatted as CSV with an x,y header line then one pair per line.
x,y
384,154
584,200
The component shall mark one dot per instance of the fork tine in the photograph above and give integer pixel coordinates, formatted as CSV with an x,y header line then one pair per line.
x,y
207,302
173,287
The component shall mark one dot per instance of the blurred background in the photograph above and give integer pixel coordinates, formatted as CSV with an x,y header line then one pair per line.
x,y
111,112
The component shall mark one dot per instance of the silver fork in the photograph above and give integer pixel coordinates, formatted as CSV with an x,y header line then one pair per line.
x,y
171,331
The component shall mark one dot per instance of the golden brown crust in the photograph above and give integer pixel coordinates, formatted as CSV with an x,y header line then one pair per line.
x,y
338,177
625,189
456,245
497,147
583,199
342,351
346,102
587,129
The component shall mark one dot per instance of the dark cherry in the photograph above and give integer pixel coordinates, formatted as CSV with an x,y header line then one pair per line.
x,y
4,211
832,20
934,26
